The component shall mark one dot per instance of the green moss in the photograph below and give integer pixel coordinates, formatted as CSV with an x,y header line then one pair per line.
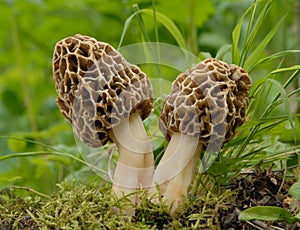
x,y
80,206
90,207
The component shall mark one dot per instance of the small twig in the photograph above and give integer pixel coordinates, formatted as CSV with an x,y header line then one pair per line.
x,y
277,228
31,190
282,182
253,225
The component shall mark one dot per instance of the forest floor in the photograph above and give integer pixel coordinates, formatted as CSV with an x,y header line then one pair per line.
x,y
89,207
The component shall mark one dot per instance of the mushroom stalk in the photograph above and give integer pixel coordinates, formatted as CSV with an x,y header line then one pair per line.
x,y
175,171
135,164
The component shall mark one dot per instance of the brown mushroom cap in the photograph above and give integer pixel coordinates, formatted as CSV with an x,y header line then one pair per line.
x,y
97,88
208,101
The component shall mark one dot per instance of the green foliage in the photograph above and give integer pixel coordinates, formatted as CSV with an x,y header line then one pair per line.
x,y
37,146
295,191
267,213
270,213
270,114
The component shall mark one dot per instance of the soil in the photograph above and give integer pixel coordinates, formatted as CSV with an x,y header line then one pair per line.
x,y
258,188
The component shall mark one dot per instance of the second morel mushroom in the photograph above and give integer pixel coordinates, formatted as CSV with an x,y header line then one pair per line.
x,y
207,104
105,99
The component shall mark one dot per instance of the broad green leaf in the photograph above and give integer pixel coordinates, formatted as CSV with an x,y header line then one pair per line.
x,y
294,191
267,213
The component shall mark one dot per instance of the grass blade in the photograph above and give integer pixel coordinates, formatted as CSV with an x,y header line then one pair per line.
x,y
43,153
252,59
273,57
281,70
236,33
169,24
163,19
126,26
286,103
253,31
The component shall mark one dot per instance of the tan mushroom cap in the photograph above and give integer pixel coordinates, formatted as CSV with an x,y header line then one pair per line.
x,y
97,87
208,101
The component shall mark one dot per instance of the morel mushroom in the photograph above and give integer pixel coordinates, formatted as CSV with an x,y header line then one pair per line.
x,y
207,104
105,99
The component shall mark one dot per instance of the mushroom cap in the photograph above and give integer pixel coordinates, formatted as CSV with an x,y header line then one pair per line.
x,y
208,101
97,87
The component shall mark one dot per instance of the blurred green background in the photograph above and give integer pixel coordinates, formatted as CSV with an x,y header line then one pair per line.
x,y
29,118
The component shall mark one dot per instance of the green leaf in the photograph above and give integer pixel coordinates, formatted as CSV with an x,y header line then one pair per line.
x,y
295,191
163,19
236,56
223,167
253,58
252,31
286,103
267,213
223,51
281,70
273,57
169,24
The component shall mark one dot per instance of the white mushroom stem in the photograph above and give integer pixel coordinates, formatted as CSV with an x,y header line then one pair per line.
x,y
135,164
175,171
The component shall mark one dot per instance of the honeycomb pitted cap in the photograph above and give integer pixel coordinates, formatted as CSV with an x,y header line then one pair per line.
x,y
97,87
208,101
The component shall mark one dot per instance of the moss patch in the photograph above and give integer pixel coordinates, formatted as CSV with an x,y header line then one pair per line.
x,y
90,206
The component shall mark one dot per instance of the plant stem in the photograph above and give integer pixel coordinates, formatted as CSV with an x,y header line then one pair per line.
x,y
297,12
22,73
193,29
31,190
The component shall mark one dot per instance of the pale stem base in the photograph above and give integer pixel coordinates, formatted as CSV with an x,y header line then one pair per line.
x,y
175,172
135,164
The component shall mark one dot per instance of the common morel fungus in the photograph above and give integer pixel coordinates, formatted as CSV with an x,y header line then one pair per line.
x,y
105,99
208,102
